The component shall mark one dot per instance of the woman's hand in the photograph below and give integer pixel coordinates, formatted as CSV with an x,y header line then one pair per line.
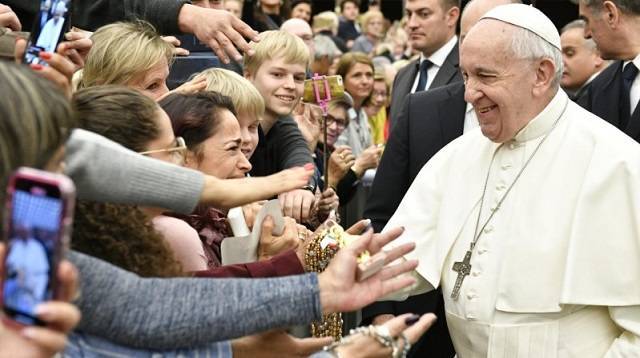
x,y
250,212
405,327
368,159
193,86
327,202
177,50
271,245
61,317
76,47
60,69
339,289
339,163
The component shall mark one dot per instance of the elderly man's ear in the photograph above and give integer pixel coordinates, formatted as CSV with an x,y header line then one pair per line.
x,y
545,73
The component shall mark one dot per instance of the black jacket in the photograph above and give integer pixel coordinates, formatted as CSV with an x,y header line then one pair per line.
x,y
603,99
91,14
403,82
428,121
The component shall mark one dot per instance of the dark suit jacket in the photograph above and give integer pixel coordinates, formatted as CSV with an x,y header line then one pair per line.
x,y
603,100
428,121
448,73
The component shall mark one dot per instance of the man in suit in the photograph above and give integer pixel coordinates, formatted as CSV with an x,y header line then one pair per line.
x,y
432,31
581,60
614,25
427,122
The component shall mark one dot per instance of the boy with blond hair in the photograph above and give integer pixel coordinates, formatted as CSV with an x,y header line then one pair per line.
x,y
278,70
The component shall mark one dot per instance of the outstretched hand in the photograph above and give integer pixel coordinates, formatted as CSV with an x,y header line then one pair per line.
x,y
339,290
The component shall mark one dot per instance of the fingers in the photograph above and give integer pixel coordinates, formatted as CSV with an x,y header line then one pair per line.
x,y
172,40
391,271
9,19
395,284
47,339
381,240
308,346
359,227
18,52
60,63
60,315
242,30
397,324
414,332
67,281
360,245
398,252
193,86
308,200
267,226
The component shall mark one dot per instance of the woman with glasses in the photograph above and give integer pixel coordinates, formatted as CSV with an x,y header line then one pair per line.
x,y
207,121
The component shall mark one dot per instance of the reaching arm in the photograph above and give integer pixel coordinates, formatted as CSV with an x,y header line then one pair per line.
x,y
187,312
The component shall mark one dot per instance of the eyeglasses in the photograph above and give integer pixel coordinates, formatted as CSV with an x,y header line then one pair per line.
x,y
179,149
340,122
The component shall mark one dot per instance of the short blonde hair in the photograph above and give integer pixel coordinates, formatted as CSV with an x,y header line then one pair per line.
x,y
245,97
326,20
368,17
123,51
276,43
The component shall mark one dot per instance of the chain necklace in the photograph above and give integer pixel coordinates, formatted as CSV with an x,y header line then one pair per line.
x,y
463,268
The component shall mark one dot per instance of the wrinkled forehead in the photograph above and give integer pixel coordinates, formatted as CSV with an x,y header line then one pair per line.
x,y
487,34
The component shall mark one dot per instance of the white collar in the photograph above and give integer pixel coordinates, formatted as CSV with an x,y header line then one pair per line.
x,y
543,122
438,57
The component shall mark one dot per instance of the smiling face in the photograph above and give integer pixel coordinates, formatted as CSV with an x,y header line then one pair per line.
x,y
249,133
281,85
499,87
301,11
153,83
429,25
220,155
359,81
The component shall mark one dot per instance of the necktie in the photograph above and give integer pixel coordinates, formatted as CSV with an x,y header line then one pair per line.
x,y
422,80
628,76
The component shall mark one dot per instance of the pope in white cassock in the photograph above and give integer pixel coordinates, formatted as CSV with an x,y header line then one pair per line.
x,y
530,223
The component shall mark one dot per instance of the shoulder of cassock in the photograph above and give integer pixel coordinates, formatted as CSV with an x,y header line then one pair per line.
x,y
579,242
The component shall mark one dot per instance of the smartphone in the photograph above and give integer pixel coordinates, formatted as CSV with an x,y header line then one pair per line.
x,y
49,27
325,86
37,223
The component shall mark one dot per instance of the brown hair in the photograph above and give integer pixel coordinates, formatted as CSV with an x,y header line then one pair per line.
x,y
194,116
124,236
121,114
349,59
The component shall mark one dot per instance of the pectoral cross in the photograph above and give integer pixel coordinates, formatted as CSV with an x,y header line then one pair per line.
x,y
463,268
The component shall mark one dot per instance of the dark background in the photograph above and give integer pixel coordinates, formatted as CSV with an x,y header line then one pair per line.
x,y
559,11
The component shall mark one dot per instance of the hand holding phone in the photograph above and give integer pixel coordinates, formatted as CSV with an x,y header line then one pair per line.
x,y
37,221
48,29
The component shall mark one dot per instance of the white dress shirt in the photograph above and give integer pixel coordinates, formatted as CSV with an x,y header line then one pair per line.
x,y
437,59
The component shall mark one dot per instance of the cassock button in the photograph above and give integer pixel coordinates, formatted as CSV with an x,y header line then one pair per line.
x,y
501,187
488,229
506,166
475,273
513,145
471,295
481,251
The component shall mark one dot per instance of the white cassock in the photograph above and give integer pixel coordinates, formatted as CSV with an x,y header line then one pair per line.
x,y
50,34
556,272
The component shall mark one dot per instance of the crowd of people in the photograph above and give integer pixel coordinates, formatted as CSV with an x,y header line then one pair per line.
x,y
480,165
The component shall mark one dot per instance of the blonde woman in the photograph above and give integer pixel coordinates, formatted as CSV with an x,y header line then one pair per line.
x,y
372,32
131,54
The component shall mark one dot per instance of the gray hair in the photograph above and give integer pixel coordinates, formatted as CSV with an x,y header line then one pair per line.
x,y
325,47
580,24
626,6
527,45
